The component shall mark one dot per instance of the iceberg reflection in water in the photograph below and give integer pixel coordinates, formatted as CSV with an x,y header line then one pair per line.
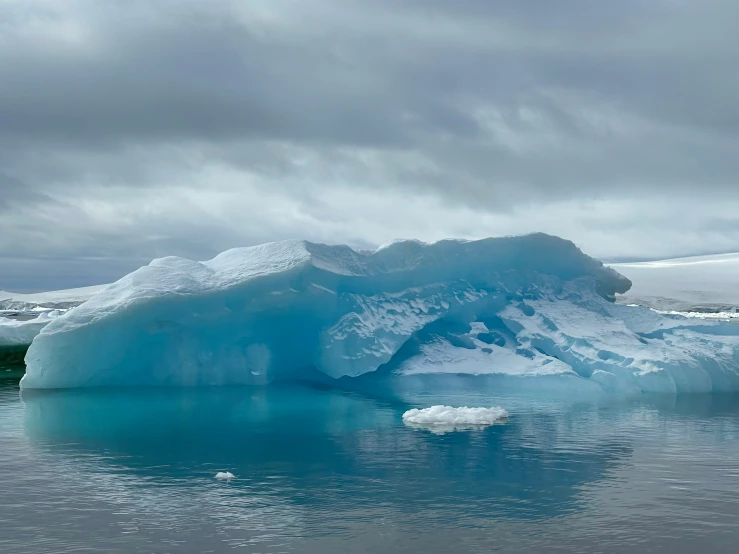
x,y
328,471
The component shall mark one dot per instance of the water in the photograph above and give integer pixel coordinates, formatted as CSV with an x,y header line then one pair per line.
x,y
326,471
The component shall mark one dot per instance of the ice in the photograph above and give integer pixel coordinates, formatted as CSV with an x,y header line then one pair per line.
x,y
531,308
393,242
58,299
14,332
225,476
22,316
720,316
628,348
444,419
694,284
16,335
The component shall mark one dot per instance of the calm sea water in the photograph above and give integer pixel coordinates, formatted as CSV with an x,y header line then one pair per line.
x,y
326,471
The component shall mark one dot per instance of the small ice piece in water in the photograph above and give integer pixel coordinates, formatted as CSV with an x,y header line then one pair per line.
x,y
225,475
445,419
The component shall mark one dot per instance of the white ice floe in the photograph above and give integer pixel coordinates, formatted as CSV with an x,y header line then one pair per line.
x,y
444,419
225,476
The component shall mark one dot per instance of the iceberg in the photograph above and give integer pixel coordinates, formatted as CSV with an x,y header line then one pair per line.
x,y
15,332
527,308
22,316
16,335
445,419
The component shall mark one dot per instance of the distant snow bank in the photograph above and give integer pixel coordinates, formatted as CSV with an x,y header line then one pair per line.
x,y
718,316
693,284
15,332
23,316
52,299
446,418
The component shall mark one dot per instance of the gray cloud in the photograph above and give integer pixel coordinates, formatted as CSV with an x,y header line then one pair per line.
x,y
135,129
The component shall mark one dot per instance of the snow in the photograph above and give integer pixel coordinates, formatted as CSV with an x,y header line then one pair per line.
x,y
444,419
532,308
628,348
443,358
15,332
47,300
574,333
22,316
225,476
698,283
393,242
723,316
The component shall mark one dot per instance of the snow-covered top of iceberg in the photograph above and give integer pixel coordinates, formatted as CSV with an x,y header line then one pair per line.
x,y
278,267
392,242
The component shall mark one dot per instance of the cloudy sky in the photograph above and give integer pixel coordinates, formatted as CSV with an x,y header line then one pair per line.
x,y
132,129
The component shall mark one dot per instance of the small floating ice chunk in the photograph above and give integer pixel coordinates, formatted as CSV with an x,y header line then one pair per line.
x,y
225,475
445,419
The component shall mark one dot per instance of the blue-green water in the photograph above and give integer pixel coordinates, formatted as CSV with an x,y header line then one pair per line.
x,y
328,471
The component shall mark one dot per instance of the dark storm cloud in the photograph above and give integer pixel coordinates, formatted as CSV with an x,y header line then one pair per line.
x,y
196,71
139,128
202,75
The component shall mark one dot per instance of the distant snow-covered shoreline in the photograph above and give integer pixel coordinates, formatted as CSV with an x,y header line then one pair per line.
x,y
688,286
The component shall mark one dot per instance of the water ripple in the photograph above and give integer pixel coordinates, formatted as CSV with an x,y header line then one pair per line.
x,y
320,471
